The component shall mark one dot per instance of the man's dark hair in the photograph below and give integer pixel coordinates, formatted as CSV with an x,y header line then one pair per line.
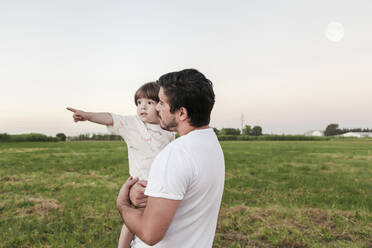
x,y
148,90
192,90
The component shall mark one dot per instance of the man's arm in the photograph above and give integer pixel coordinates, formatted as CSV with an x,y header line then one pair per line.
x,y
100,118
150,224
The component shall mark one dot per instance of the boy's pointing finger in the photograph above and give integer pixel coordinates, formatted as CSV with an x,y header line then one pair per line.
x,y
71,109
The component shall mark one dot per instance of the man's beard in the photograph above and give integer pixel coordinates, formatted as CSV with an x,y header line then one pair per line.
x,y
168,126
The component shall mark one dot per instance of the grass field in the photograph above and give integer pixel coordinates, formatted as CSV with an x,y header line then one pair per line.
x,y
277,194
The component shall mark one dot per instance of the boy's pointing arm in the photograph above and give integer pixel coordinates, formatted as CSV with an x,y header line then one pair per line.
x,y
100,118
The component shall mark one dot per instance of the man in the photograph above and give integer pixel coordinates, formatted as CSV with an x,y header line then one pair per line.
x,y
186,179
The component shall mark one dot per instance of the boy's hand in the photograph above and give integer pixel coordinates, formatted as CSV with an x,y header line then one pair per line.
x,y
78,115
136,194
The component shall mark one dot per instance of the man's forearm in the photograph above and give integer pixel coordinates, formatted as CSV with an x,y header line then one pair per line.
x,y
151,223
100,118
133,219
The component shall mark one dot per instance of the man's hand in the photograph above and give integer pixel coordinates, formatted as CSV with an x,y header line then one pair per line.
x,y
123,196
78,115
136,194
150,224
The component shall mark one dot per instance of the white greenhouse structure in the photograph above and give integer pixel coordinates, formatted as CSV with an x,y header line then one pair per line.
x,y
358,134
314,133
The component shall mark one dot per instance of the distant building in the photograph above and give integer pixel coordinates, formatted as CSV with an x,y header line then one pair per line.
x,y
314,133
357,134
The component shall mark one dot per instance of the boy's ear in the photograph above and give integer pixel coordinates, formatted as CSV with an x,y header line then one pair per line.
x,y
183,115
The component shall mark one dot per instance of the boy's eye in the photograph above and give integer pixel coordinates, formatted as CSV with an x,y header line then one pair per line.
x,y
150,102
138,102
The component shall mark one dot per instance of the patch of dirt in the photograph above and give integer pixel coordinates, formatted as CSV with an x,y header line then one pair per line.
x,y
80,185
15,150
293,244
11,178
2,206
242,240
332,155
69,174
60,154
324,190
228,175
94,175
228,212
304,220
42,207
239,191
362,157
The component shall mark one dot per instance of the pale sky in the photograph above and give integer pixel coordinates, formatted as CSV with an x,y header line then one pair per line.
x,y
269,60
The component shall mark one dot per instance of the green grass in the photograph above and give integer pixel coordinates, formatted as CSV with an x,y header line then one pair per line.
x,y
277,194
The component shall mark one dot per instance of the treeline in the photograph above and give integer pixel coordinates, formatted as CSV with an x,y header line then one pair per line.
x,y
4,137
333,129
221,136
247,131
37,137
255,133
272,137
95,137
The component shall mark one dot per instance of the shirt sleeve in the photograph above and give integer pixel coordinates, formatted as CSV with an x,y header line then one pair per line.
x,y
121,125
170,175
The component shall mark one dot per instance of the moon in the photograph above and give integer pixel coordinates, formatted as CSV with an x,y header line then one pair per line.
x,y
335,31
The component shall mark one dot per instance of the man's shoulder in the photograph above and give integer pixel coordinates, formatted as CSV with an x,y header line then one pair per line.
x,y
202,136
175,148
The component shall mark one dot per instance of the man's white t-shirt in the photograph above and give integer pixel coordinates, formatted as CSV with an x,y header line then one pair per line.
x,y
144,142
190,169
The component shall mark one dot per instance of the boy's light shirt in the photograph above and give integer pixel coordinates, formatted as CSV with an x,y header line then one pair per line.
x,y
144,142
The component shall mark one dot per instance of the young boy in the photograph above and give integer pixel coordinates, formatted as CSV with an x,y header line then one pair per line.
x,y
142,133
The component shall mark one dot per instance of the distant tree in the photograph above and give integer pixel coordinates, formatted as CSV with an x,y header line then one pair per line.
x,y
4,137
331,129
216,131
256,131
247,130
230,131
61,136
83,137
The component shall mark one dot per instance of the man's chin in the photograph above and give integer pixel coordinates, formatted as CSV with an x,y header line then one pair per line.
x,y
163,126
167,127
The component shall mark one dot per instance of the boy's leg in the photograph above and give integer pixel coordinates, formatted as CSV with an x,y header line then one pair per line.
x,y
126,237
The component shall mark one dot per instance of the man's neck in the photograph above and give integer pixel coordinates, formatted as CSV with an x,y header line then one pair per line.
x,y
185,129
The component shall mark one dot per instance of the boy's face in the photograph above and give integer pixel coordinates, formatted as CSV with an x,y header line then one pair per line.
x,y
146,110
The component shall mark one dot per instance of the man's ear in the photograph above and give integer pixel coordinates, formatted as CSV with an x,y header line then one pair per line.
x,y
183,115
